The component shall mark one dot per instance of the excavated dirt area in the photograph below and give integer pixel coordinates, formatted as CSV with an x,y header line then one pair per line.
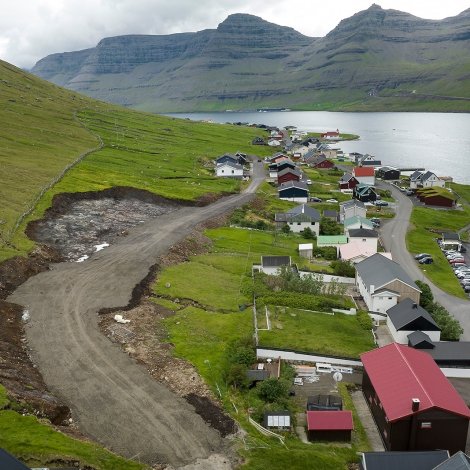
x,y
81,224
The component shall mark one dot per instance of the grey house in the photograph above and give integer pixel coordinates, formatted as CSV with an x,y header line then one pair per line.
x,y
300,218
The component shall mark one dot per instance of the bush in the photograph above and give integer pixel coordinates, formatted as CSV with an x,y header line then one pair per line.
x,y
364,319
241,351
427,298
308,234
285,228
273,390
327,252
330,227
343,268
304,301
236,376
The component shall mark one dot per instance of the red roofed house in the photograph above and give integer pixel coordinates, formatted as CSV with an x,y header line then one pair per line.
x,y
330,135
364,174
329,425
414,406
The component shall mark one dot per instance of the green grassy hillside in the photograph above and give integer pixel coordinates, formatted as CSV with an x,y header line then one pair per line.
x,y
44,128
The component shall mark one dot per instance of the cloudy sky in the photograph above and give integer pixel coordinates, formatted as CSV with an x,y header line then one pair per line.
x,y
32,29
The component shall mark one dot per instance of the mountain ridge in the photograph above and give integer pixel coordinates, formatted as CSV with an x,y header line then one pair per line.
x,y
375,58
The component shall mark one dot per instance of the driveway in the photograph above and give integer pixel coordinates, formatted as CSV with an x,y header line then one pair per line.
x,y
393,234
114,400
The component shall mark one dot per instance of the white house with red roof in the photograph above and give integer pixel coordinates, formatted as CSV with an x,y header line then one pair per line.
x,y
364,175
414,405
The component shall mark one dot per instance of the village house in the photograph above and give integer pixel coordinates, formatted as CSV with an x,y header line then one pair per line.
x,y
331,135
347,182
288,174
296,191
364,175
355,252
330,214
352,208
299,218
306,250
388,173
414,406
424,460
427,179
258,141
369,160
320,162
407,317
364,193
437,196
366,237
331,240
357,222
384,283
229,170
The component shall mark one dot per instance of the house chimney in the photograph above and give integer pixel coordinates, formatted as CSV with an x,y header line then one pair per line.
x,y
415,404
415,305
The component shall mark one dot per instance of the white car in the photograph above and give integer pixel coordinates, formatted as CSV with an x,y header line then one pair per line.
x,y
334,201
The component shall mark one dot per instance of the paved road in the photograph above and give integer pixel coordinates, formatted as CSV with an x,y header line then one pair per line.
x,y
113,399
393,233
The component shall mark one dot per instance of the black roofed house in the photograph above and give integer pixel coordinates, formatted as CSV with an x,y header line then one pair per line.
x,y
272,264
280,420
446,354
256,375
424,460
320,162
8,462
300,218
414,405
407,317
258,141
331,214
388,173
384,283
296,191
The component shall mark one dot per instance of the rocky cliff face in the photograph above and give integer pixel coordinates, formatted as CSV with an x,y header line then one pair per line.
x,y
248,62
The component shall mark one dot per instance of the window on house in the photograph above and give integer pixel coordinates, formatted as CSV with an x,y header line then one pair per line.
x,y
390,298
364,240
223,171
426,425
298,223
312,223
233,171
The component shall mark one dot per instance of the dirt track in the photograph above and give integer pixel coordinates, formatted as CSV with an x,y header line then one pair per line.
x,y
112,397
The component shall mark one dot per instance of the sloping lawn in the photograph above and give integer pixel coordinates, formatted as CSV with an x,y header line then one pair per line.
x,y
421,240
337,334
36,443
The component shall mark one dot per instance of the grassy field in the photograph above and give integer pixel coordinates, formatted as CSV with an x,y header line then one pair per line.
x,y
421,240
317,332
37,443
45,128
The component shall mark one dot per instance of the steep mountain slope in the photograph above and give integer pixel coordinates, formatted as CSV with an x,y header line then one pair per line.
x,y
375,58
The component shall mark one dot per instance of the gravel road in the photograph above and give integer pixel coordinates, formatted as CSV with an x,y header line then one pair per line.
x,y
113,398
393,233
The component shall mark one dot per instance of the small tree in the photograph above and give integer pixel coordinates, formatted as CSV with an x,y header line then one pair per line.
x,y
343,268
285,228
308,234
273,389
330,227
236,376
427,298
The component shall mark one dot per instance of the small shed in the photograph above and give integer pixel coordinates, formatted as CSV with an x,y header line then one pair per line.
x,y
306,250
256,375
277,420
324,403
329,425
296,191
388,173
331,214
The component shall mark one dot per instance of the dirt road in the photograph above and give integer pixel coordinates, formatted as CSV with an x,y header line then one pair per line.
x,y
112,397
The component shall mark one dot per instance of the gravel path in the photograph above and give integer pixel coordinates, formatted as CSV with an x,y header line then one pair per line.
x,y
113,398
393,233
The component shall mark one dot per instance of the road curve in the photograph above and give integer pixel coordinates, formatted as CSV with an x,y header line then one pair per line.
x,y
393,234
113,399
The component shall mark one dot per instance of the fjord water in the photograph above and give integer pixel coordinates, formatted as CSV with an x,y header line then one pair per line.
x,y
436,141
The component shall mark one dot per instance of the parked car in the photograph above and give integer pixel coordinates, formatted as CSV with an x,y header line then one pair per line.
x,y
375,220
466,289
309,182
409,192
332,200
457,266
422,255
426,260
456,260
315,199
381,203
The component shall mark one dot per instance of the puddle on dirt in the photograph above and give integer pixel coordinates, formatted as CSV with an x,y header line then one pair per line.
x,y
83,227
